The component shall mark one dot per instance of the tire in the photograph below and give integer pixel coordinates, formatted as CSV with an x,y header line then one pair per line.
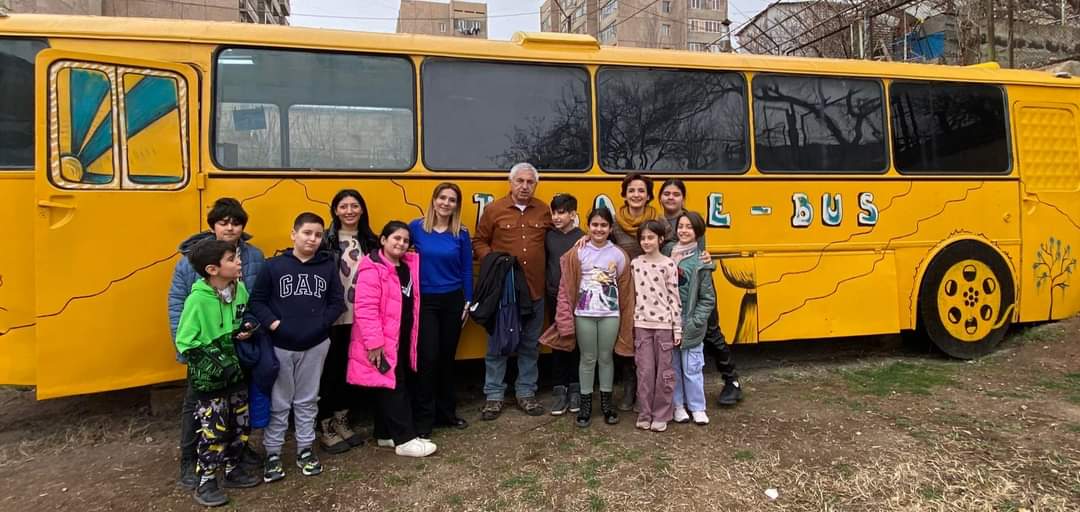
x,y
966,300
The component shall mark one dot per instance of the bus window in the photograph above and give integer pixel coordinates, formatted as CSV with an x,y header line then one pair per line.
x,y
284,109
248,135
81,122
662,120
330,136
154,127
949,128
818,124
487,116
17,102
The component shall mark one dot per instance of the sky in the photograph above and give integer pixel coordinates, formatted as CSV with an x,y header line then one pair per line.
x,y
504,16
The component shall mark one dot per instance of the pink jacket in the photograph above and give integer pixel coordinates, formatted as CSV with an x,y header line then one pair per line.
x,y
377,319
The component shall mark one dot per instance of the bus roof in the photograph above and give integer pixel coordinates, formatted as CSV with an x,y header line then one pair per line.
x,y
546,47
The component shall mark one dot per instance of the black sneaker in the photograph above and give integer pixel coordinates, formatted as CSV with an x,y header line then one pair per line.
x,y
187,475
574,399
273,470
209,495
731,394
308,463
240,478
559,401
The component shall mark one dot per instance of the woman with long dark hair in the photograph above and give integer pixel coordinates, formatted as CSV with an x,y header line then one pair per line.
x,y
349,238
446,278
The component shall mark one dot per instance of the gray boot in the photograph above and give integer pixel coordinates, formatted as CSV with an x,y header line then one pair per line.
x,y
574,392
559,402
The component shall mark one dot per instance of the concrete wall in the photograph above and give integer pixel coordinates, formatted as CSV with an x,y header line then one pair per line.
x,y
1033,45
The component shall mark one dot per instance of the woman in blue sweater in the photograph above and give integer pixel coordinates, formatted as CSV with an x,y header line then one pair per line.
x,y
446,281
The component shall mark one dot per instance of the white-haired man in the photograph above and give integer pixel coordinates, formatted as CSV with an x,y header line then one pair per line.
x,y
516,224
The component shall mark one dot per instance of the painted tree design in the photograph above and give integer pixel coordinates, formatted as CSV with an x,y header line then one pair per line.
x,y
1053,269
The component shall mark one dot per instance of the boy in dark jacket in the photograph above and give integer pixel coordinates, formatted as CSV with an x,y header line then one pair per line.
x,y
212,315
559,239
298,296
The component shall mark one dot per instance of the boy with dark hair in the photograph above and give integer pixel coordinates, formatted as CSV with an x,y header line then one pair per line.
x,y
211,317
298,296
226,220
560,238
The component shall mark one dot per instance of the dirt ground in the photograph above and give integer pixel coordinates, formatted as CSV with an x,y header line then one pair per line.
x,y
855,424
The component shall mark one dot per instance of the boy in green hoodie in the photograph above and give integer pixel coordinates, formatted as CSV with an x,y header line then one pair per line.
x,y
211,318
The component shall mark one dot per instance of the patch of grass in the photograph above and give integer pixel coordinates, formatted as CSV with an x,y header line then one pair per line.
x,y
528,483
588,473
1007,506
744,455
1008,394
396,480
1038,334
560,469
661,462
596,503
519,481
930,493
1074,428
845,470
1068,383
898,377
455,500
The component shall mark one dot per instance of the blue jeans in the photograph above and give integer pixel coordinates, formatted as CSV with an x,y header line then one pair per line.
x,y
689,381
527,353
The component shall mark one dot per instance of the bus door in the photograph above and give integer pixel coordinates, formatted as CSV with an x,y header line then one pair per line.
x,y
1049,159
114,191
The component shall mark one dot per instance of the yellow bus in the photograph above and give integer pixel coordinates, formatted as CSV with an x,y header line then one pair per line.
x,y
843,197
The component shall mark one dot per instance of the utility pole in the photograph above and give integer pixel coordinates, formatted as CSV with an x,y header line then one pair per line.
x,y
1012,60
990,30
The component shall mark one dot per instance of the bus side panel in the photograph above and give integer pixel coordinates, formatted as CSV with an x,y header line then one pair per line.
x,y
1046,128
17,351
848,294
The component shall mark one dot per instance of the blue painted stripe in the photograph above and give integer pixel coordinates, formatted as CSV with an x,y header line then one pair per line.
x,y
100,142
87,90
149,100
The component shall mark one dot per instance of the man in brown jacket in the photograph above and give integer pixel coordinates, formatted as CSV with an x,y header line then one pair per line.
x,y
516,224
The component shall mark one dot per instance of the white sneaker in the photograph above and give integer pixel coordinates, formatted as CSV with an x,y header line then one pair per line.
x,y
658,426
643,425
700,417
681,416
385,443
415,448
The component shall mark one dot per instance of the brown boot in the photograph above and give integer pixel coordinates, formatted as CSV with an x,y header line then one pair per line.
x,y
330,440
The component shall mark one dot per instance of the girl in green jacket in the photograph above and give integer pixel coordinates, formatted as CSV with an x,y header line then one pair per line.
x,y
698,299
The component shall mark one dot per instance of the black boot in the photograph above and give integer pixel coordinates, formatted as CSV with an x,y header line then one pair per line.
x,y
607,405
629,389
731,394
584,416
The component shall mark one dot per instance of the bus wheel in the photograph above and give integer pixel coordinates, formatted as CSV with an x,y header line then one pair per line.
x,y
966,300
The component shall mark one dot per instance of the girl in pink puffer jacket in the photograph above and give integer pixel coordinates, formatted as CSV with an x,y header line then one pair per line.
x,y
382,349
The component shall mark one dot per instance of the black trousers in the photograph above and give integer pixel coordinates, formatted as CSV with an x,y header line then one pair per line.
x,y
334,393
721,351
189,426
434,400
393,407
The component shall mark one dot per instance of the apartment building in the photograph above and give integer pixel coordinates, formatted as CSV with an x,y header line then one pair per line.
x,y
453,18
695,25
248,11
